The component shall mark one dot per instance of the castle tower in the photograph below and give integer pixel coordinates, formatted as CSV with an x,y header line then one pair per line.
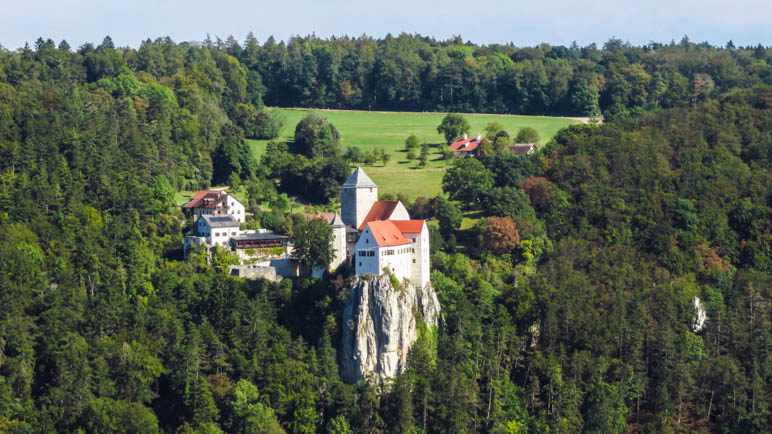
x,y
339,242
357,196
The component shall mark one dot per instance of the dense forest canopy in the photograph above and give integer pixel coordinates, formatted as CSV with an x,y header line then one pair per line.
x,y
567,307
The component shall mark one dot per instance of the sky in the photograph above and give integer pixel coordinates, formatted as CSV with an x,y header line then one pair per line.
x,y
524,23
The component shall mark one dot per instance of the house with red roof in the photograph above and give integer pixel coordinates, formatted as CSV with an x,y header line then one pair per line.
x,y
214,203
399,247
465,146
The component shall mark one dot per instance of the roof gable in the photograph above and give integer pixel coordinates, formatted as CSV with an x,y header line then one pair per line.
x,y
329,217
465,145
359,179
206,198
409,226
386,234
381,210
523,148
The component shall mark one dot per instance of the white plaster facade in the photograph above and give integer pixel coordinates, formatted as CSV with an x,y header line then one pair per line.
x,y
373,259
339,242
400,212
217,232
399,247
236,209
419,258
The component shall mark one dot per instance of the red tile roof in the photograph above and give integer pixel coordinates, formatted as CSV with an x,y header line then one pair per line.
x,y
409,226
206,199
386,233
381,210
465,145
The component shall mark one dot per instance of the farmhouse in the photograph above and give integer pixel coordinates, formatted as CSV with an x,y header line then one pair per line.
x,y
214,203
523,148
465,146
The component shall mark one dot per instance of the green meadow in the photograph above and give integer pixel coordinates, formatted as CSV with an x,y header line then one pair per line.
x,y
388,130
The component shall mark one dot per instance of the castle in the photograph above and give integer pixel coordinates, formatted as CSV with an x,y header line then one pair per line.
x,y
373,236
378,235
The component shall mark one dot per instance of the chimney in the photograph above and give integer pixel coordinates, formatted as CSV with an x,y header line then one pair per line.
x,y
464,136
479,136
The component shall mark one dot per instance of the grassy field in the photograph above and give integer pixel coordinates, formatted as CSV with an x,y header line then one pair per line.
x,y
388,130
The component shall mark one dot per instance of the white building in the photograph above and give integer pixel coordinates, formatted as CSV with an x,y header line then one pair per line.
x,y
379,233
398,247
214,203
417,233
217,230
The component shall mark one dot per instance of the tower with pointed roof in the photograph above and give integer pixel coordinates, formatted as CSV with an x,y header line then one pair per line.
x,y
339,242
357,196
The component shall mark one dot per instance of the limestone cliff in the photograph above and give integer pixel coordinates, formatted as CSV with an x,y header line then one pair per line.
x,y
700,315
379,325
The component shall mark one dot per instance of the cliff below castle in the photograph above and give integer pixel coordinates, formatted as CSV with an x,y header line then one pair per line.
x,y
380,324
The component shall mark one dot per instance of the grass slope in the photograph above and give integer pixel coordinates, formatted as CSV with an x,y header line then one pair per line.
x,y
388,130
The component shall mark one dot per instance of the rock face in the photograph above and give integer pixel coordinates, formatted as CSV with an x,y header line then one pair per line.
x,y
379,325
700,315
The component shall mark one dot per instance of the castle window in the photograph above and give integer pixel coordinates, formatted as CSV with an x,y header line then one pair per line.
x,y
414,261
360,264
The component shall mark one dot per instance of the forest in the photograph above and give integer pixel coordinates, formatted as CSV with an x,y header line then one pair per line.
x,y
568,306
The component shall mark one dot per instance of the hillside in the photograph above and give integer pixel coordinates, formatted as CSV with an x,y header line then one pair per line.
x,y
567,303
388,131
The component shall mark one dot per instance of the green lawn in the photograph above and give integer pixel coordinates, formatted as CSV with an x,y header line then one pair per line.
x,y
388,130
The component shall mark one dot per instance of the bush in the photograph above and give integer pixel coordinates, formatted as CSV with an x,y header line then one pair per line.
x,y
527,135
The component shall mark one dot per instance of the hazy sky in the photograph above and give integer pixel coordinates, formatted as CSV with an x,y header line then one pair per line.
x,y
524,23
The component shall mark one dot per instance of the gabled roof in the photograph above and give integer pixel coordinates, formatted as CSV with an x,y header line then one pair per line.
x,y
326,216
381,210
465,144
409,226
387,234
206,199
224,221
522,148
359,179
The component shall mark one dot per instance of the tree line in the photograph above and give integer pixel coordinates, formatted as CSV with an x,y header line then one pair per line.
x,y
568,304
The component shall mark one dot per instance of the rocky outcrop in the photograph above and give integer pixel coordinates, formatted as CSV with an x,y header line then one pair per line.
x,y
380,324
700,315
